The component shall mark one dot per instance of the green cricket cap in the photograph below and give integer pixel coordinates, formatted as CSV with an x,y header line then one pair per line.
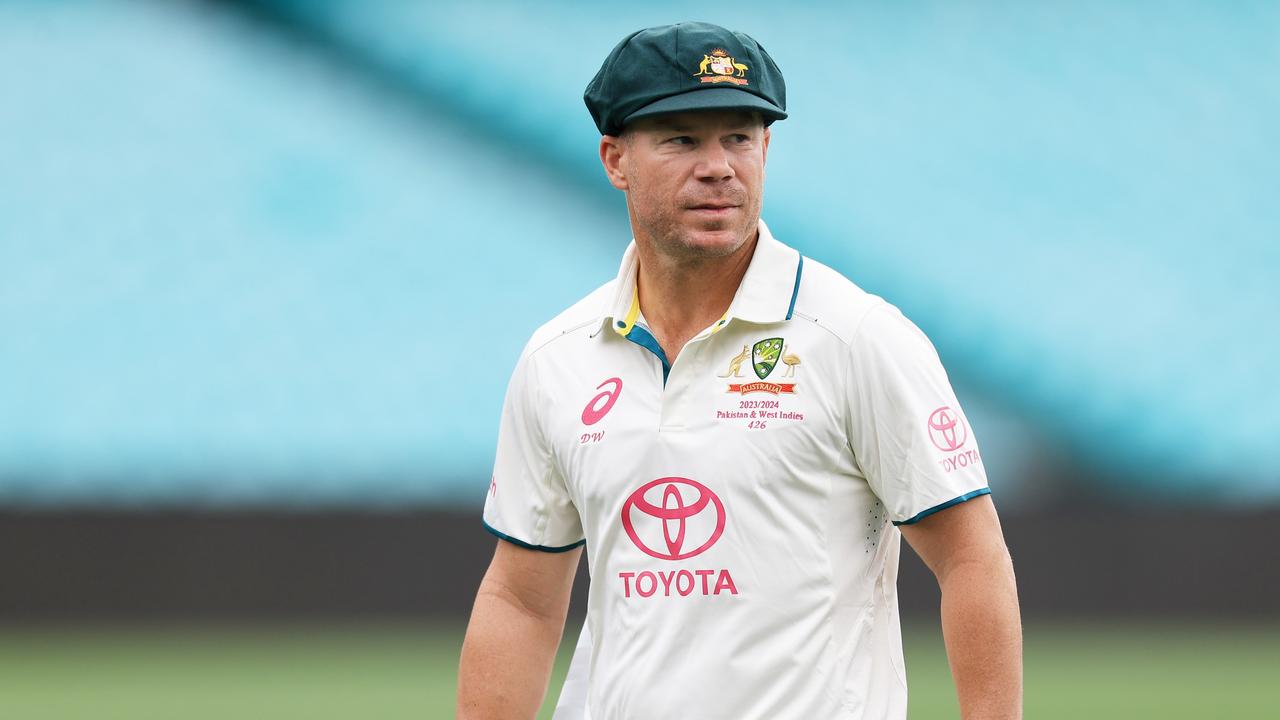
x,y
680,68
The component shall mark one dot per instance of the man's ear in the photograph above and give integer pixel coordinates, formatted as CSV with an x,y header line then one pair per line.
x,y
765,152
612,148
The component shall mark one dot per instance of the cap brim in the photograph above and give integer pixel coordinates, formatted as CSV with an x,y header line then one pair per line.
x,y
709,99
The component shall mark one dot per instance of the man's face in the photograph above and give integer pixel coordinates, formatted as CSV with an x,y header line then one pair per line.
x,y
693,180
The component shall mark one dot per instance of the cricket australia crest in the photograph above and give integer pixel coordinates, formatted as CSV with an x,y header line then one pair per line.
x,y
765,356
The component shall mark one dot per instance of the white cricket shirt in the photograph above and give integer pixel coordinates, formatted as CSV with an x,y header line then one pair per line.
x,y
738,505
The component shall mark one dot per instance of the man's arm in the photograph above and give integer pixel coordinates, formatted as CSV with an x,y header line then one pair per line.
x,y
514,631
965,549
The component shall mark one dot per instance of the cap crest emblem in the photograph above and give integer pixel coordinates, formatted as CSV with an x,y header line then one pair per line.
x,y
717,67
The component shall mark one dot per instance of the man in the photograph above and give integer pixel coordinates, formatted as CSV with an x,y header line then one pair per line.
x,y
738,434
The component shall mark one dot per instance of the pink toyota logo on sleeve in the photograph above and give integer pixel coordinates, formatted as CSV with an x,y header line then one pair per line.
x,y
946,429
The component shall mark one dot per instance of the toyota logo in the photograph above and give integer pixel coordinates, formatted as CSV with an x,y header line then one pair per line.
x,y
946,429
668,514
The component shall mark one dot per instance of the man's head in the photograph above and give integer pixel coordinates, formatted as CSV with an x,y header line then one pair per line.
x,y
694,180
684,112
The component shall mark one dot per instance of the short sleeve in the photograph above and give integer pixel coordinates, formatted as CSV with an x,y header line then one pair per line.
x,y
528,503
908,434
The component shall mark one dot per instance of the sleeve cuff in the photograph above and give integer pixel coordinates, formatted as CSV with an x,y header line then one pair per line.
x,y
544,548
943,506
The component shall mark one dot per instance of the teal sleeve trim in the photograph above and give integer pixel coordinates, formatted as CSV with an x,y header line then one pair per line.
x,y
795,291
524,544
939,508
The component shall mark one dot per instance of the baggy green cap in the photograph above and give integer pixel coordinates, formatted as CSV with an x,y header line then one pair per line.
x,y
680,68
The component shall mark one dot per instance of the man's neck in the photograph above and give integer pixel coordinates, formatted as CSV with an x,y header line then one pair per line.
x,y
681,298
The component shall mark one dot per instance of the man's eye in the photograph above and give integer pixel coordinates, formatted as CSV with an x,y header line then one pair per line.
x,y
741,138
681,140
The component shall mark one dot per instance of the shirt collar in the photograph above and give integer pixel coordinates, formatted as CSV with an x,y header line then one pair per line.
x,y
767,293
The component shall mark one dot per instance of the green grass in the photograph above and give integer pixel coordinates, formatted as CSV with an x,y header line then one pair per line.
x,y
1084,671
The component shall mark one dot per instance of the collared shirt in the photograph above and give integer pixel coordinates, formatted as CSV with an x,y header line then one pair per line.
x,y
739,505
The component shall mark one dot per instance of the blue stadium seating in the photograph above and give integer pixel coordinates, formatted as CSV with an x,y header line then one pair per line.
x,y
238,259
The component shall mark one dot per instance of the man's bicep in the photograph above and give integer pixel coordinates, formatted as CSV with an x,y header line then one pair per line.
x,y
969,531
515,627
535,581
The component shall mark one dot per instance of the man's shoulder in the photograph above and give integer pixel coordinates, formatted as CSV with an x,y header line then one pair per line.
x,y
582,316
833,301
856,317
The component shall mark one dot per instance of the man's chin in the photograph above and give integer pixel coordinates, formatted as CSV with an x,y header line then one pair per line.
x,y
715,241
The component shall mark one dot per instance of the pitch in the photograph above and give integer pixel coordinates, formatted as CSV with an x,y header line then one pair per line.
x,y
1099,671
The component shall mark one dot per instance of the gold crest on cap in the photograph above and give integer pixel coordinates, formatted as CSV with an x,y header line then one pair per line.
x,y
718,67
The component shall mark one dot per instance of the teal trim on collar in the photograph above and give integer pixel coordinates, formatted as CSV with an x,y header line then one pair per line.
x,y
938,508
503,536
795,291
642,337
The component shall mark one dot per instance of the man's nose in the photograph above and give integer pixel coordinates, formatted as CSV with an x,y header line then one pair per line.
x,y
713,163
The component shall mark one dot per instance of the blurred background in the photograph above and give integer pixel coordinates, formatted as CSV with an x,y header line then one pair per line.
x,y
265,268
